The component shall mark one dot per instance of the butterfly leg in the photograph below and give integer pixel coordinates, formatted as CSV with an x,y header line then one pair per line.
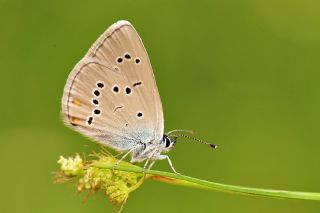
x,y
151,164
145,165
147,161
161,157
121,159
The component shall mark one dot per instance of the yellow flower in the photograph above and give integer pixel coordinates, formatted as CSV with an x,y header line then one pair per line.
x,y
116,184
71,166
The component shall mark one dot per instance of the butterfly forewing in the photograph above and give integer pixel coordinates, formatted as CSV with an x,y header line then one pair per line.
x,y
111,95
121,47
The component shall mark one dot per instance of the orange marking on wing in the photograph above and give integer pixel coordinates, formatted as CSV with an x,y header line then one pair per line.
x,y
75,121
76,102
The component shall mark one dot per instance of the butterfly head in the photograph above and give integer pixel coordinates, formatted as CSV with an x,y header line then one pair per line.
x,y
168,143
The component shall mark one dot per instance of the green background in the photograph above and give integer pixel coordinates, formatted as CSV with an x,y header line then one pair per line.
x,y
244,74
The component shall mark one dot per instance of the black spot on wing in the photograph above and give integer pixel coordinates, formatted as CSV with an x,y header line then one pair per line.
x,y
137,84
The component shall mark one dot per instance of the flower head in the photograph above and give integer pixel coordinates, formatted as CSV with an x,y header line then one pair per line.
x,y
71,166
116,184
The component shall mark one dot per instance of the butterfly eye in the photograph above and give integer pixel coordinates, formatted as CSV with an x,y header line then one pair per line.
x,y
127,56
137,60
168,142
119,60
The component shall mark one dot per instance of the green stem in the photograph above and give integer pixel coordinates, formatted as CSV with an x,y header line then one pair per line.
x,y
194,182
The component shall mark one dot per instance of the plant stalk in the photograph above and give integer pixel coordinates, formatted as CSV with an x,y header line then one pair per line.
x,y
198,183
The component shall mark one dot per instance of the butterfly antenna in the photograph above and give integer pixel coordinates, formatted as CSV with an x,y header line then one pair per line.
x,y
192,132
196,140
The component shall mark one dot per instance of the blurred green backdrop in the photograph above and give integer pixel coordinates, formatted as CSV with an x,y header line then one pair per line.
x,y
245,74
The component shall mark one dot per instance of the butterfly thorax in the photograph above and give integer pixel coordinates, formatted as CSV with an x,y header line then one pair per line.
x,y
152,150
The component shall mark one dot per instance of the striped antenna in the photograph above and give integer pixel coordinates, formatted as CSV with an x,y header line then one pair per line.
x,y
195,139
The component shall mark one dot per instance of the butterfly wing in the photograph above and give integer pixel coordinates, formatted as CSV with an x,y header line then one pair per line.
x,y
111,95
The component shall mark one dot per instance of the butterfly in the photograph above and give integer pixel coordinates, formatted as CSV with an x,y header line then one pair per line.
x,y
111,96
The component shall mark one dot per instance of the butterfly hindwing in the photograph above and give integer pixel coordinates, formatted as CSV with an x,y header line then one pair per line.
x,y
111,95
